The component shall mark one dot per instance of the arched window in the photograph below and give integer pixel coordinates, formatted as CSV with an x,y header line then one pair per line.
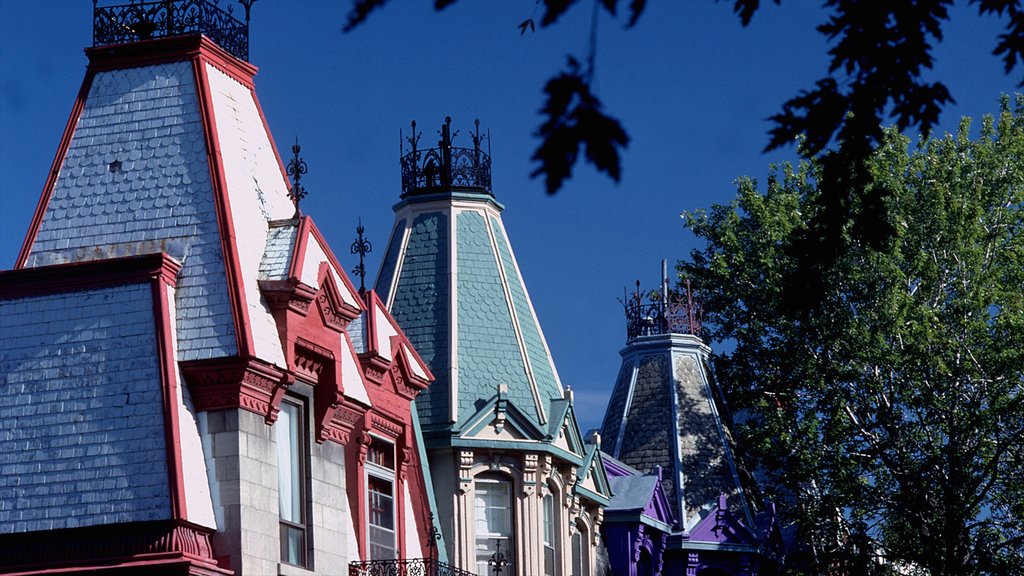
x,y
549,537
493,521
580,551
646,565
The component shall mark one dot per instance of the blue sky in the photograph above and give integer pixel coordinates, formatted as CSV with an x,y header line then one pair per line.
x,y
692,87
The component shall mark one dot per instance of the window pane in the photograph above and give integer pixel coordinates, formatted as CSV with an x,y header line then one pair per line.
x,y
381,453
493,516
293,545
289,434
577,554
382,518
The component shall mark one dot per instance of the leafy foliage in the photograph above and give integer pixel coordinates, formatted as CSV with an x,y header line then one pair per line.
x,y
889,417
574,119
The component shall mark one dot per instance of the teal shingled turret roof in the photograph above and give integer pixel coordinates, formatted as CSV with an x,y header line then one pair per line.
x,y
451,281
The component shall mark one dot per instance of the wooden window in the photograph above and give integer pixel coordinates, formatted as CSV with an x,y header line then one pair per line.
x,y
292,440
380,493
493,522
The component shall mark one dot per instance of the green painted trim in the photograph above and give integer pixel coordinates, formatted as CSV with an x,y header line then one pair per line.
x,y
604,501
631,517
442,550
510,445
461,196
513,415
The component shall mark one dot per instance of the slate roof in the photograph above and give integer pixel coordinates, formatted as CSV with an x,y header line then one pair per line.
x,y
662,412
631,492
458,256
420,305
135,180
81,410
277,257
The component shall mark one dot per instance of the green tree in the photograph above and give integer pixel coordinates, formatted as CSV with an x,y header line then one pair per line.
x,y
888,417
878,52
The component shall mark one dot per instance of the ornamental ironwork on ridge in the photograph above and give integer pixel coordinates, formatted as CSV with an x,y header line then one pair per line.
x,y
138,20
446,168
667,313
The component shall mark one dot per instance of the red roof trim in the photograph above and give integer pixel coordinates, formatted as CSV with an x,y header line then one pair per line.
x,y
337,266
92,274
165,338
229,248
299,249
164,50
51,178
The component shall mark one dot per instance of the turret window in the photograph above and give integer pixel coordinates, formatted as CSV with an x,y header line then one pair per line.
x,y
493,523
549,536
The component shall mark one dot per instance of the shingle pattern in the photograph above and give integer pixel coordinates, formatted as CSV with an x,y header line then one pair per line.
x,y
488,352
616,407
631,492
81,424
421,307
648,439
158,199
701,447
387,268
277,257
540,362
356,330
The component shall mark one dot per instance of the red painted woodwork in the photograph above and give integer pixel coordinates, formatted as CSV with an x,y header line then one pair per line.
x,y
165,547
232,382
392,384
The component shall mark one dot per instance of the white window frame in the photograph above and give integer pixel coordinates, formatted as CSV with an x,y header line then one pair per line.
x,y
549,534
483,554
289,423
375,471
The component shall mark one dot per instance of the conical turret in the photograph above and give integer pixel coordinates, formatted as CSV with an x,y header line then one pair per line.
x,y
506,454
666,410
452,281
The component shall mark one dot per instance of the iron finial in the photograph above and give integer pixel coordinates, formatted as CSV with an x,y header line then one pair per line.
x,y
498,560
362,247
296,168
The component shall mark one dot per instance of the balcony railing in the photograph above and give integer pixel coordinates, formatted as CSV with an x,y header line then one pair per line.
x,y
408,567
446,168
675,314
138,20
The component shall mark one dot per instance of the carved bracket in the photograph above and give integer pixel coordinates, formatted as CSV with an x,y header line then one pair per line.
x,y
234,382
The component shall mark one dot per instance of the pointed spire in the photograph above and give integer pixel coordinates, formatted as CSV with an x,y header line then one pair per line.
x,y
296,168
362,247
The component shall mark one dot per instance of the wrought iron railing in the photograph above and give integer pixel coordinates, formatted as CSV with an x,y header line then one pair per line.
x,y
446,167
138,20
408,567
664,314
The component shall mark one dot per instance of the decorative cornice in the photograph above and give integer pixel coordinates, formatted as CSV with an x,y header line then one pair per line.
x,y
339,417
91,274
234,382
288,294
158,543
